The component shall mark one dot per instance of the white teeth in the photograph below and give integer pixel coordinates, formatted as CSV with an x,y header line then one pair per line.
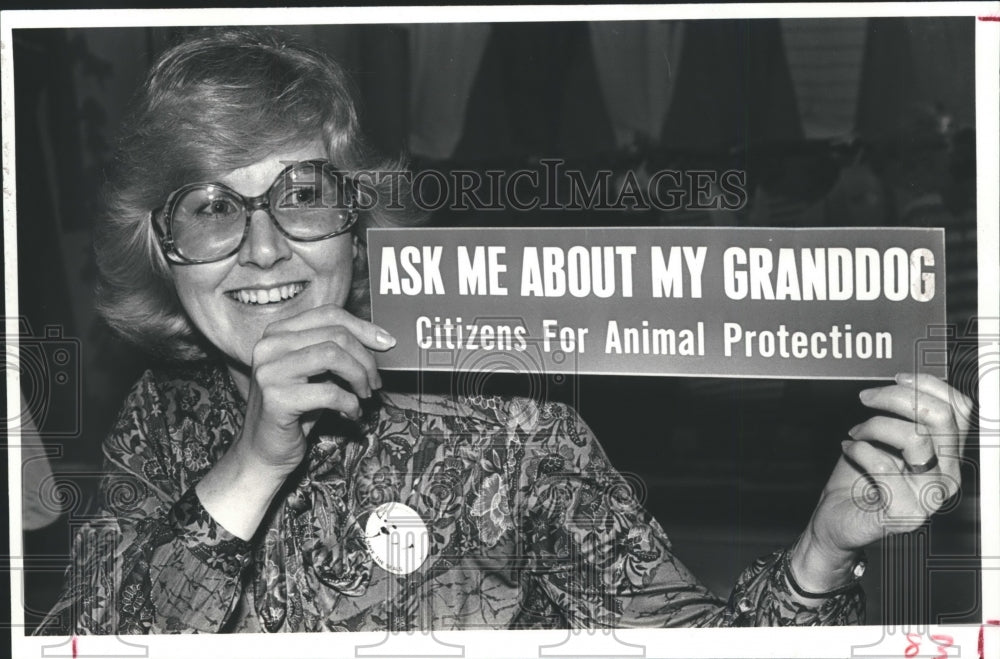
x,y
269,295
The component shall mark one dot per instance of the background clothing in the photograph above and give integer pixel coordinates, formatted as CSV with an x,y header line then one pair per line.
x,y
530,527
40,503
444,60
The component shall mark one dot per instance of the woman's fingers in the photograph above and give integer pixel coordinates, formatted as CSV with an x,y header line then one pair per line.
x,y
935,386
274,346
913,497
884,488
929,428
915,444
932,415
872,461
297,366
321,395
369,334
962,405
284,410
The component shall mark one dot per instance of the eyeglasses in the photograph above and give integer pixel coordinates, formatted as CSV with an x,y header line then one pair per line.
x,y
206,222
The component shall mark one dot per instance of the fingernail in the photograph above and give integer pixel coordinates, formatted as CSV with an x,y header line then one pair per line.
x,y
385,338
853,431
844,444
378,381
904,378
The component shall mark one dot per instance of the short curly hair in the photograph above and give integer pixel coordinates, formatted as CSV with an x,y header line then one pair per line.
x,y
219,100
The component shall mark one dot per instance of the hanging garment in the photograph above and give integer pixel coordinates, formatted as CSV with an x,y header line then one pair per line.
x,y
444,61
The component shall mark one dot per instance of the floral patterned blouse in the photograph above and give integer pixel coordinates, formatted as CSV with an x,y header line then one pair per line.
x,y
529,526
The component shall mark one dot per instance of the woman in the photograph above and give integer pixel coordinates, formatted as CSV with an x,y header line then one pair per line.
x,y
266,483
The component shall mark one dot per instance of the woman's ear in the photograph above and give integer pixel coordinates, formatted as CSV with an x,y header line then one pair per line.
x,y
160,263
355,247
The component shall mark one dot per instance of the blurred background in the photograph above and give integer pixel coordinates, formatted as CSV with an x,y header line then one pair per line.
x,y
844,122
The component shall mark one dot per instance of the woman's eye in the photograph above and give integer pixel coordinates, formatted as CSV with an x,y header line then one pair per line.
x,y
300,197
217,208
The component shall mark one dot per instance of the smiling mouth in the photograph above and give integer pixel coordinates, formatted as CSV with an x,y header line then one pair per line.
x,y
261,296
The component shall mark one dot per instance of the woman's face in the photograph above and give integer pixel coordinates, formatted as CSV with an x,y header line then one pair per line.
x,y
300,275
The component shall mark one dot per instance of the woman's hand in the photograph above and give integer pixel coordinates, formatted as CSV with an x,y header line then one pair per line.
x,y
318,360
290,380
879,486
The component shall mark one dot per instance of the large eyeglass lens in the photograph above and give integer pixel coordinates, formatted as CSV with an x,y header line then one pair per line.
x,y
310,200
207,221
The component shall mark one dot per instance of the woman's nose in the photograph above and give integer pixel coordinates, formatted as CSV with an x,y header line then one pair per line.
x,y
264,245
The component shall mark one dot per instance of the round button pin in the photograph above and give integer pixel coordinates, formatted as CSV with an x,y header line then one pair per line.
x,y
397,538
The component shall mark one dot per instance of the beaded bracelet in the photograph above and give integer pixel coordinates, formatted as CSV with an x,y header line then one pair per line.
x,y
857,571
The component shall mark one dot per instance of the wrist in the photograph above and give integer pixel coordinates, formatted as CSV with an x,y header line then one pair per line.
x,y
238,490
247,467
818,567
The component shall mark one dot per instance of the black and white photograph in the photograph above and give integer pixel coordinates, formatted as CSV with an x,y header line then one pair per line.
x,y
608,323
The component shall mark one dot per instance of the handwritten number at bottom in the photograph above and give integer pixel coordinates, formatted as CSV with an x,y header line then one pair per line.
x,y
943,642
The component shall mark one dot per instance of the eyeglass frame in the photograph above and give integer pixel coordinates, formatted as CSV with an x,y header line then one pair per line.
x,y
251,205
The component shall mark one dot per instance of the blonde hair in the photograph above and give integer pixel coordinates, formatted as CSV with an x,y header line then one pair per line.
x,y
217,101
